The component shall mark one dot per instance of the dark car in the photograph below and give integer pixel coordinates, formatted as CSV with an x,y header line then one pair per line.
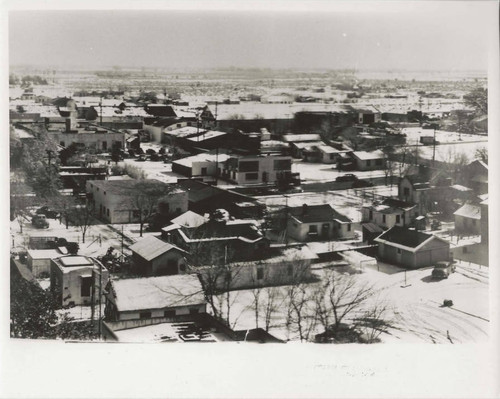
x,y
443,269
347,177
49,213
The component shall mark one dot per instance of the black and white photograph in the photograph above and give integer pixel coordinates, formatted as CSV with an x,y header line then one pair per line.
x,y
277,176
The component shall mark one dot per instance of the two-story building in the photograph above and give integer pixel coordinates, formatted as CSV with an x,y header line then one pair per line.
x,y
388,213
257,169
115,200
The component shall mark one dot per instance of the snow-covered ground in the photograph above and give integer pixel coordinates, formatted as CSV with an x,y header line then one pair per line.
x,y
320,172
413,135
414,304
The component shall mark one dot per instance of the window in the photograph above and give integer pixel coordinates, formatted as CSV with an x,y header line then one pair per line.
x,y
169,313
370,215
378,162
283,164
313,228
248,166
104,145
62,144
203,171
464,250
474,222
260,273
369,163
398,250
144,315
349,227
398,219
289,270
107,212
332,156
383,218
136,214
194,311
251,176
86,285
104,192
182,267
179,125
406,191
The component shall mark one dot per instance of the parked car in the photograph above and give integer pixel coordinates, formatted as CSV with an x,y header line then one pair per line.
x,y
141,158
155,157
49,213
443,269
40,221
347,177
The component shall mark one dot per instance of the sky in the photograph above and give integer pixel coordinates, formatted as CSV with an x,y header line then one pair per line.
x,y
390,36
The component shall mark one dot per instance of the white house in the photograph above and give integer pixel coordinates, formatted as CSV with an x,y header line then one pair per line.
x,y
154,297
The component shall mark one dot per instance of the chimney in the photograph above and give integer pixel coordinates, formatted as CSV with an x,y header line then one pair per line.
x,y
304,209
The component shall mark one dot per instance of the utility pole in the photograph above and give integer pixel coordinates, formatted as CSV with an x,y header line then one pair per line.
x,y
100,108
434,147
216,165
122,244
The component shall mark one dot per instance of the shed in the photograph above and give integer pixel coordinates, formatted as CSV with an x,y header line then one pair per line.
x,y
39,260
411,248
370,232
153,256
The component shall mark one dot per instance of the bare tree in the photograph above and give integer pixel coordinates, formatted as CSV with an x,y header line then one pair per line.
x,y
145,199
482,154
82,216
270,304
346,308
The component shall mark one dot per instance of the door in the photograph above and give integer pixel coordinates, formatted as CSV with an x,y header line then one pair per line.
x,y
325,230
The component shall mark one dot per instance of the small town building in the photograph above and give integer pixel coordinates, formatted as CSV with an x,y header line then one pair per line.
x,y
370,232
388,213
258,169
39,261
281,266
154,297
411,248
205,165
152,256
114,200
475,176
365,160
468,220
318,222
77,279
205,198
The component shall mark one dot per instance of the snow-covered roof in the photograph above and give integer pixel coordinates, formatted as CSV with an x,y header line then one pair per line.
x,y
203,157
469,211
292,138
365,155
157,292
44,253
151,247
189,219
404,238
